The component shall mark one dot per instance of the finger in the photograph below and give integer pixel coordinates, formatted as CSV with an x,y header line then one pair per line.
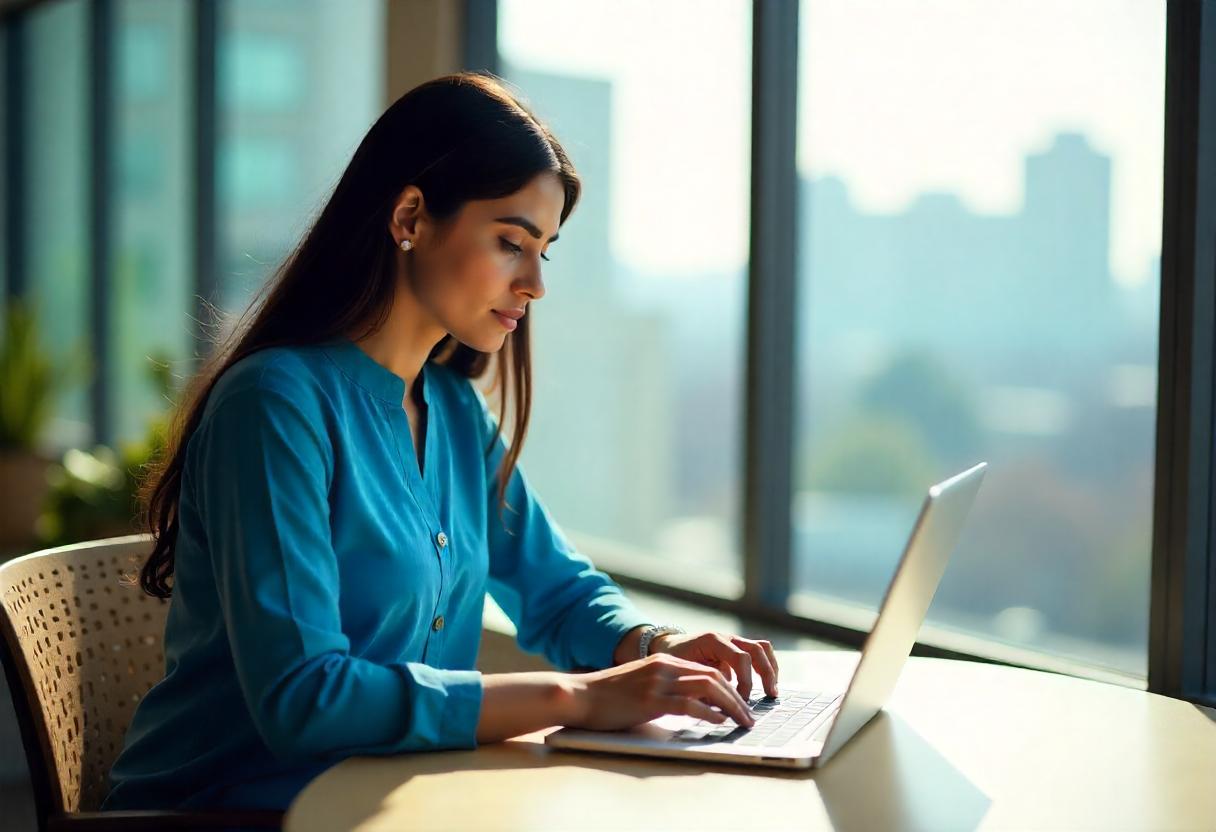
x,y
715,689
681,665
676,704
740,661
763,664
722,680
772,657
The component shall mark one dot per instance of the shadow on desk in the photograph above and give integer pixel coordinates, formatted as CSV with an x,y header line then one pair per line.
x,y
909,784
886,777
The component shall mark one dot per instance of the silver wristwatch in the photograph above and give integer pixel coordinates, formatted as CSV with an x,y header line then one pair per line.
x,y
650,632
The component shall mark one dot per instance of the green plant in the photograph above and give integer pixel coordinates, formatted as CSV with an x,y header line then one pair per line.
x,y
94,493
31,379
872,454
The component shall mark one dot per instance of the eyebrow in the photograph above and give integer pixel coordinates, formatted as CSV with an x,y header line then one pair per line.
x,y
527,225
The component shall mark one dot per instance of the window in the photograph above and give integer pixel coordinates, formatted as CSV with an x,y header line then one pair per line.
x,y
638,343
152,275
299,85
965,260
55,224
979,257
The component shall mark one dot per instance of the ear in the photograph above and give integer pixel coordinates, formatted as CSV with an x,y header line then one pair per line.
x,y
409,211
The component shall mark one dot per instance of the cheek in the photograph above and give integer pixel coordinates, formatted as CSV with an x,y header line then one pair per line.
x,y
477,281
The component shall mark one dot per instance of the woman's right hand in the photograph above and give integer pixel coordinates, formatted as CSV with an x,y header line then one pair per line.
x,y
641,690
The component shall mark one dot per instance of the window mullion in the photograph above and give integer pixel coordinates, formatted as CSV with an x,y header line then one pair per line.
x,y
205,134
1182,652
480,37
769,392
101,202
14,153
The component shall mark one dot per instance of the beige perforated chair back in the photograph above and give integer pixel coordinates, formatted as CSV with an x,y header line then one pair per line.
x,y
85,649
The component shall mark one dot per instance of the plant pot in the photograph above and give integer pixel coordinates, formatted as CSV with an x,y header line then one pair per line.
x,y
23,489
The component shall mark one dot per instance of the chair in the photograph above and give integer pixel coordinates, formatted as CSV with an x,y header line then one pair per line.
x,y
80,650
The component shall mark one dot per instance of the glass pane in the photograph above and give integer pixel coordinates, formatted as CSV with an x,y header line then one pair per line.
x,y
300,83
635,438
981,218
152,271
55,226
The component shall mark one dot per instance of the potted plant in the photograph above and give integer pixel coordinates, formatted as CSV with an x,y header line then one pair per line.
x,y
94,494
29,384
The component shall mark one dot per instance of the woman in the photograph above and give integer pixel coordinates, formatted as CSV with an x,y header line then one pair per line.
x,y
324,502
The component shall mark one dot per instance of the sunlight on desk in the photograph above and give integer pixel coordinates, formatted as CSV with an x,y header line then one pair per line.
x,y
961,746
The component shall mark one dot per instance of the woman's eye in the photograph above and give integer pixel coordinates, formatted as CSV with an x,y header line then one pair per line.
x,y
514,249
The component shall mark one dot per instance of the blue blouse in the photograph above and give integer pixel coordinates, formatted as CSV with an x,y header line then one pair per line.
x,y
328,594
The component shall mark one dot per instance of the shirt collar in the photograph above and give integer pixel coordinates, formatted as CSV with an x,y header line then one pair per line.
x,y
370,374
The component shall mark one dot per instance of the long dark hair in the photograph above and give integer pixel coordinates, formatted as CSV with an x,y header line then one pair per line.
x,y
458,137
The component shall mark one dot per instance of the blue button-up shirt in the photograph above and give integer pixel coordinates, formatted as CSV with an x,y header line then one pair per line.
x,y
328,594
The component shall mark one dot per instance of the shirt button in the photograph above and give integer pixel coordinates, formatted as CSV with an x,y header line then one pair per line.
x,y
441,539
438,623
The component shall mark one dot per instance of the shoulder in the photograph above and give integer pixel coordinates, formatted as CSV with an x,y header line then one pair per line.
x,y
293,377
265,417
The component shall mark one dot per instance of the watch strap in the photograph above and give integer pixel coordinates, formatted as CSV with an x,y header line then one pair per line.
x,y
651,632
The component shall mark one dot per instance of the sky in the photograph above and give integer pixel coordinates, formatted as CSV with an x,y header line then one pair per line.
x,y
896,97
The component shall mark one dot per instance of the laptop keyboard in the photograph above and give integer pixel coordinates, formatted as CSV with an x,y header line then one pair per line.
x,y
778,720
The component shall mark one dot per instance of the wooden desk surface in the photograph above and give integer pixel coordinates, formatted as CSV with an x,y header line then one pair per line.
x,y
961,745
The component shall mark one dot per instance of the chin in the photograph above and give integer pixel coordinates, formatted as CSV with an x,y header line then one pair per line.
x,y
484,344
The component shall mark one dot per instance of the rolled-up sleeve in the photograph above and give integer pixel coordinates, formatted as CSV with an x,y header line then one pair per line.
x,y
263,465
562,606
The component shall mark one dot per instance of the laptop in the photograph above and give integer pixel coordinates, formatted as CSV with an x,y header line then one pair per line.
x,y
804,728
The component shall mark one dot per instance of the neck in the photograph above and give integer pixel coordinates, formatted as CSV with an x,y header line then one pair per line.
x,y
403,342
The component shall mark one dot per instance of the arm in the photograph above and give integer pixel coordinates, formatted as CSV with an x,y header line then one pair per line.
x,y
518,703
562,606
627,649
264,468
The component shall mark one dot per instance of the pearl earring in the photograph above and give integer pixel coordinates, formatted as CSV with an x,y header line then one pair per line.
x,y
406,245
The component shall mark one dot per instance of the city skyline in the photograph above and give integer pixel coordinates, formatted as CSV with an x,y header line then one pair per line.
x,y
948,81
926,337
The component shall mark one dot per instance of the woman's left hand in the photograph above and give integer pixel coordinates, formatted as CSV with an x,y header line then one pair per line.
x,y
720,651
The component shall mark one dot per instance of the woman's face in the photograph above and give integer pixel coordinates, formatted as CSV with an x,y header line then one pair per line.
x,y
488,258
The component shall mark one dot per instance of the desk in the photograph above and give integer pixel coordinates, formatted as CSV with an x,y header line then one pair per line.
x,y
961,745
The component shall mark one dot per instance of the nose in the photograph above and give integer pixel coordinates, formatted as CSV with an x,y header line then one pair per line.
x,y
534,285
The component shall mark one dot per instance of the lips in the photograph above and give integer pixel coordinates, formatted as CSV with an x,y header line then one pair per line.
x,y
515,314
509,323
